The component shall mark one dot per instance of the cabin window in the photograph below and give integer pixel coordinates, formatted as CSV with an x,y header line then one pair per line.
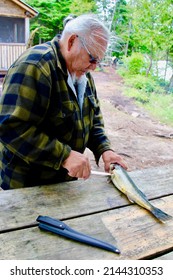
x,y
12,30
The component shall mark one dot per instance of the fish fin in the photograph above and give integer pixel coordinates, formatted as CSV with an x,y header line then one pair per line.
x,y
160,215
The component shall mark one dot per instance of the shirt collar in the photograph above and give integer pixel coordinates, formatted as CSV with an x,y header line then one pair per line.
x,y
59,58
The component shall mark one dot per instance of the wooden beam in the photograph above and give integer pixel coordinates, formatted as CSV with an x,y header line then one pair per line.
x,y
78,197
26,7
138,236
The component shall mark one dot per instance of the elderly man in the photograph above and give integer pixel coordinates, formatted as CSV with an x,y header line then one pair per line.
x,y
50,112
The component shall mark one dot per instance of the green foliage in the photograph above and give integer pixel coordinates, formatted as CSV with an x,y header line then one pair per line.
x,y
147,84
52,13
161,107
144,26
152,24
138,95
79,7
134,63
50,18
120,25
159,104
151,94
165,84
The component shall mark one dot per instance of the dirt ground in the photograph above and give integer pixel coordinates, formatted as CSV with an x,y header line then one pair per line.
x,y
139,138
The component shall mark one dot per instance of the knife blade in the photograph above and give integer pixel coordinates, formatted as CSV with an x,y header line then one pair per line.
x,y
99,173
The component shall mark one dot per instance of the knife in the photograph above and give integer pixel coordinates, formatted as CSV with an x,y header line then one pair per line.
x,y
99,173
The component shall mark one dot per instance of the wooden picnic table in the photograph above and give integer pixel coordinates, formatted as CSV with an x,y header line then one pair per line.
x,y
94,207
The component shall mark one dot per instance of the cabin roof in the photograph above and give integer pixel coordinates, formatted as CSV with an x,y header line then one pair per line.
x,y
26,7
17,8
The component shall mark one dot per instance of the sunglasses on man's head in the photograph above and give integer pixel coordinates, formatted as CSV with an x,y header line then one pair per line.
x,y
92,59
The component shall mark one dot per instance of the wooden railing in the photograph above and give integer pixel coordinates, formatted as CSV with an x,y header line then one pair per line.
x,y
9,53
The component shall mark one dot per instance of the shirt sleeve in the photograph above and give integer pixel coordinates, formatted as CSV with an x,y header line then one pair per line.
x,y
24,104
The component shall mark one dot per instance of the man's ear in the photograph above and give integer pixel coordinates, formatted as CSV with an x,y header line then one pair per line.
x,y
71,41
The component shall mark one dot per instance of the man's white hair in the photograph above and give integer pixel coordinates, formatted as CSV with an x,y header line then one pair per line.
x,y
89,27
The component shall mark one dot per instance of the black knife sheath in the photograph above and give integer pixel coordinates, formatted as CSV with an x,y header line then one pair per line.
x,y
60,228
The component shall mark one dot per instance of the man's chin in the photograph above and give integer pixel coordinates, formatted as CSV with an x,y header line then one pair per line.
x,y
78,76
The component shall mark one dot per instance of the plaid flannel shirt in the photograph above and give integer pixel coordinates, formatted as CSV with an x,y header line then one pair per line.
x,y
41,121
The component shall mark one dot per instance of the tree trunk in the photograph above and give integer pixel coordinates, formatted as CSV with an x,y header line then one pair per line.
x,y
166,66
149,67
127,44
170,87
31,38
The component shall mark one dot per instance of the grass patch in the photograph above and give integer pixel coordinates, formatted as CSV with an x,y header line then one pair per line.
x,y
150,94
138,95
161,107
146,84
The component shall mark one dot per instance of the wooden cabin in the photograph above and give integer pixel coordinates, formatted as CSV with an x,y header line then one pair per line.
x,y
14,30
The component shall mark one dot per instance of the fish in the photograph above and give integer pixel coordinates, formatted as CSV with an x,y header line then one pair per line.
x,y
123,182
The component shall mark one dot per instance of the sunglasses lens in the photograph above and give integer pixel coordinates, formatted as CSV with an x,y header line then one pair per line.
x,y
93,59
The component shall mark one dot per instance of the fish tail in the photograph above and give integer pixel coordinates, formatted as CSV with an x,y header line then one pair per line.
x,y
160,215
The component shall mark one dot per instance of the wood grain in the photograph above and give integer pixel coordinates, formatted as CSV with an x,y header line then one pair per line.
x,y
94,207
21,207
138,236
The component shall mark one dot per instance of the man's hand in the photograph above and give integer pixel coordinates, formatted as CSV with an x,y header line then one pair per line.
x,y
77,165
111,157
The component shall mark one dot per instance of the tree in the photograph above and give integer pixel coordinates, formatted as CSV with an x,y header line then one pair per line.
x,y
79,7
121,26
50,18
112,12
49,22
106,10
152,27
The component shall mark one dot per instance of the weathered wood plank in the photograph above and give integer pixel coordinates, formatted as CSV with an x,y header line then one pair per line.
x,y
9,53
8,8
11,9
132,229
22,206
